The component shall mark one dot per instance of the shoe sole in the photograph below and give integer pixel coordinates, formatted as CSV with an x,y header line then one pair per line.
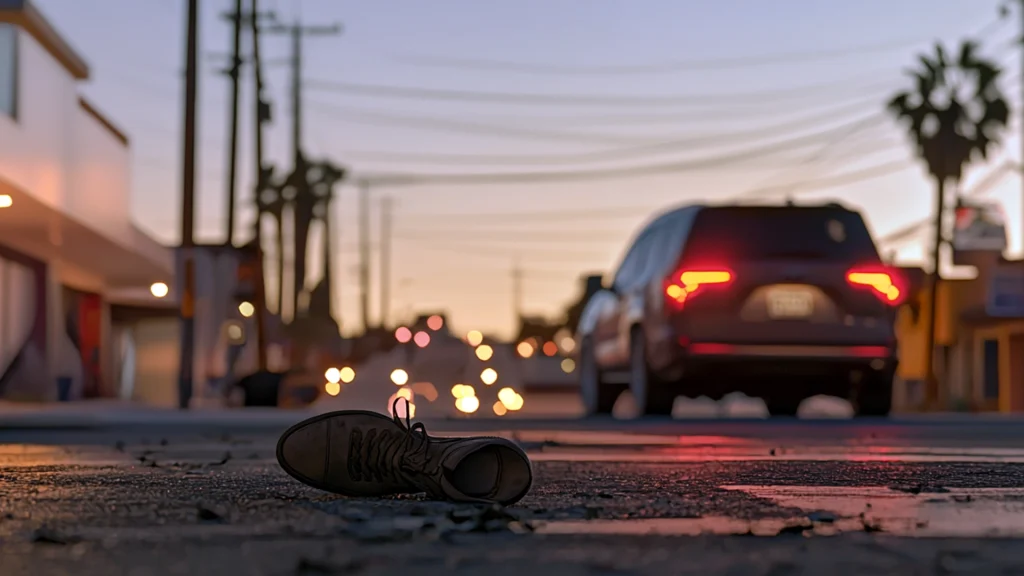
x,y
313,420
321,486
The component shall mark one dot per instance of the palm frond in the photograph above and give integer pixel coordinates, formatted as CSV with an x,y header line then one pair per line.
x,y
949,129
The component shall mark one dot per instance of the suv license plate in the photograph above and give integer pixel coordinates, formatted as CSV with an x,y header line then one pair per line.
x,y
790,304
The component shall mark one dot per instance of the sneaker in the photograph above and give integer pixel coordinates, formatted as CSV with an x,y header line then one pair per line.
x,y
359,453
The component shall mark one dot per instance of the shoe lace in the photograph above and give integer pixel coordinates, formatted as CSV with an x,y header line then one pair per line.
x,y
398,456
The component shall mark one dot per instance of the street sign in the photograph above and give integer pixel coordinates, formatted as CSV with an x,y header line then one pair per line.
x,y
980,226
1006,292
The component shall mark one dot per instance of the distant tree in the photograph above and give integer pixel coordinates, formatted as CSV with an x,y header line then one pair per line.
x,y
954,114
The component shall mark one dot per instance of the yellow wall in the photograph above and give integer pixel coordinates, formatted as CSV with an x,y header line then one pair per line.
x,y
913,337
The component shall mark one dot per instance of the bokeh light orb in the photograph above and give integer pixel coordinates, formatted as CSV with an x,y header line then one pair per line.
x,y
399,377
568,365
422,339
525,349
489,376
467,404
484,352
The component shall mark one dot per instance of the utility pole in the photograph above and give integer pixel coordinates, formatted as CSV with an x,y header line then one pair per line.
x,y
187,361
233,73
517,291
262,115
364,253
300,218
297,31
386,205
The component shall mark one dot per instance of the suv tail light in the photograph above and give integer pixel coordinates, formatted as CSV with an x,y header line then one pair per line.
x,y
887,285
683,285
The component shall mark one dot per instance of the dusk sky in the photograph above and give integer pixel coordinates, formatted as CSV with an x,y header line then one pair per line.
x,y
736,68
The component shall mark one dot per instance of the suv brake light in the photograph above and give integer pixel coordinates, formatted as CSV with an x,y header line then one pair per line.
x,y
885,284
684,284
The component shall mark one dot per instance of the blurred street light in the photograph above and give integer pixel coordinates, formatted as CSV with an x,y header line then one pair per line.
x,y
246,309
550,349
347,374
425,389
568,344
6,201
403,335
400,377
462,390
333,375
568,365
159,290
499,409
435,322
474,338
489,376
484,352
525,349
422,339
332,388
235,332
506,395
467,404
515,404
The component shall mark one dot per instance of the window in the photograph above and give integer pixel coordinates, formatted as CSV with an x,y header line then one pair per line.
x,y
759,233
8,70
633,263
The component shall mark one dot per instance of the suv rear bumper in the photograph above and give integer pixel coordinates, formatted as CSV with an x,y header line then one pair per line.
x,y
720,367
738,352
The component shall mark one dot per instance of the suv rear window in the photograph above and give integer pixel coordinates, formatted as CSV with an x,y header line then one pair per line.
x,y
758,233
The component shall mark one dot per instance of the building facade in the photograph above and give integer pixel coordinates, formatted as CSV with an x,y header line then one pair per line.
x,y
979,353
70,257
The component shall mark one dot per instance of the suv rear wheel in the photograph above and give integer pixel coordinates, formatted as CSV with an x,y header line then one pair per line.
x,y
652,397
598,396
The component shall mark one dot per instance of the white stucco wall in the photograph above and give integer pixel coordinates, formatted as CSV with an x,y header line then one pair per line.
x,y
35,147
59,153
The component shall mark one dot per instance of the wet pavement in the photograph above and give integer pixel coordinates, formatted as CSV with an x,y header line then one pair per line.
x,y
914,496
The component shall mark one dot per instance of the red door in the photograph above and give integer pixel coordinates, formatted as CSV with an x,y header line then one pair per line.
x,y
89,332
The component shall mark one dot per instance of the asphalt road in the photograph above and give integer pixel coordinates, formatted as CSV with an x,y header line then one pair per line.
x,y
940,495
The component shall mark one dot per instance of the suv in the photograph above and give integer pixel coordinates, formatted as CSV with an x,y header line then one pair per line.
x,y
780,302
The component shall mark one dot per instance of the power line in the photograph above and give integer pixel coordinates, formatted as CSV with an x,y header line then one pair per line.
x,y
533,99
541,215
412,179
518,237
492,219
676,66
698,142
455,125
731,63
550,256
660,118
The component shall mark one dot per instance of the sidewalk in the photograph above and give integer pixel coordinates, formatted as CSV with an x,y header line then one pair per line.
x,y
102,413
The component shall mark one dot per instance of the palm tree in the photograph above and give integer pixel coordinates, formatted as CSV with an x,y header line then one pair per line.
x,y
955,114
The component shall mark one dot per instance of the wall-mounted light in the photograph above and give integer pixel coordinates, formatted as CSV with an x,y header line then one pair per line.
x,y
159,290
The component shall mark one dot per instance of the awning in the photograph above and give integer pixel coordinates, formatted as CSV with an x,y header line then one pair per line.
x,y
35,229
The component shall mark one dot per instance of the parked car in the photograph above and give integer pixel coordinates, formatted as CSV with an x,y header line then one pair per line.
x,y
778,302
